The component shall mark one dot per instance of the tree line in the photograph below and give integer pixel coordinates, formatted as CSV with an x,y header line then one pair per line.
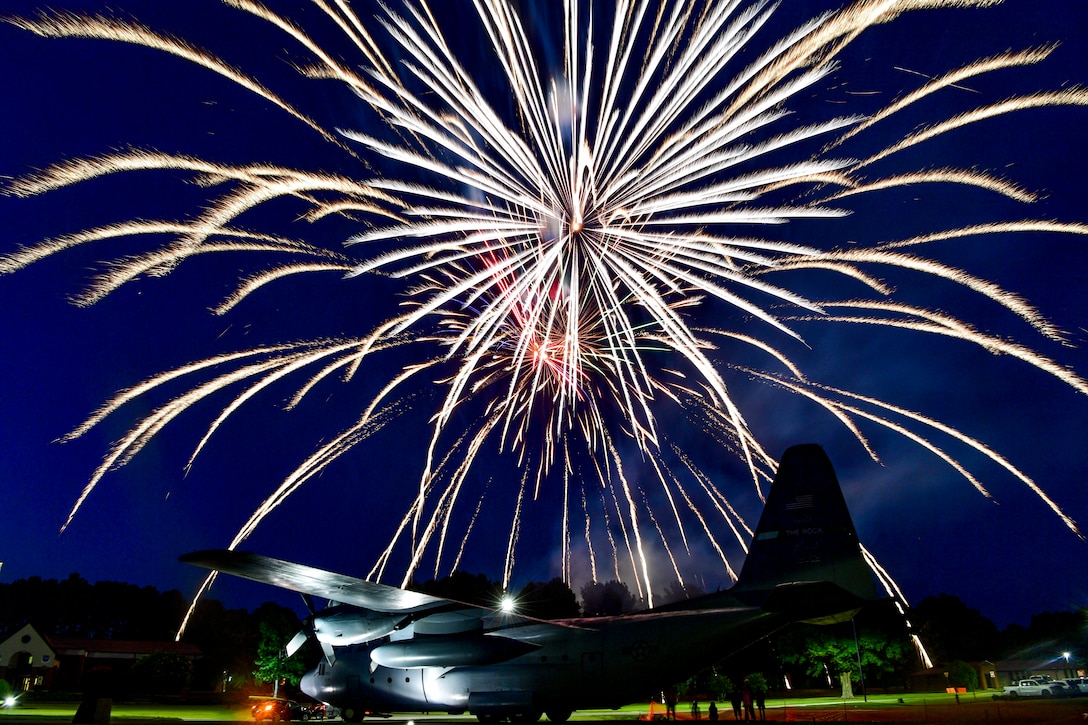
x,y
235,643
877,648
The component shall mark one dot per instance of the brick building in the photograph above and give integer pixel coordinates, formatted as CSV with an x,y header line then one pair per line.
x,y
32,661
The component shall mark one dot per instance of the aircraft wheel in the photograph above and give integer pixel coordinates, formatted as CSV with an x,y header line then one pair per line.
x,y
526,717
352,715
558,715
489,718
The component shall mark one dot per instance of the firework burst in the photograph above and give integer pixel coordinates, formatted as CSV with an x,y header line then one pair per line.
x,y
580,248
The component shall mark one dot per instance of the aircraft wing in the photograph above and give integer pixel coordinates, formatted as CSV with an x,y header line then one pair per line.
x,y
318,582
467,634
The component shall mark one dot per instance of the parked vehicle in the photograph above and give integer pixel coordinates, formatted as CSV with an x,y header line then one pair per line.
x,y
1033,688
276,710
322,711
1077,685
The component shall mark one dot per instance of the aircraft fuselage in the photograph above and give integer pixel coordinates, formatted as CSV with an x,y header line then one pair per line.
x,y
587,663
393,649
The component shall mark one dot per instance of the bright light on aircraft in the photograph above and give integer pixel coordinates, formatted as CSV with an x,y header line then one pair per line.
x,y
507,604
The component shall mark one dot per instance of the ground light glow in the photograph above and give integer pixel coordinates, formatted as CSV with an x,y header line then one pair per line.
x,y
580,252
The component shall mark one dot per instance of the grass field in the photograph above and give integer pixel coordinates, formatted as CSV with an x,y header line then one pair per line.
x,y
907,708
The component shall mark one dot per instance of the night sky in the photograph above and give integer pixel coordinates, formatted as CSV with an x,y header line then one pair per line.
x,y
1009,557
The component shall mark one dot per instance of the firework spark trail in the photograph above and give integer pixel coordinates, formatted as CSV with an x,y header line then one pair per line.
x,y
67,25
565,554
468,532
639,550
449,508
663,477
939,176
728,513
560,252
664,539
613,548
515,531
589,540
1068,97
921,320
706,527
891,587
998,62
920,440
313,466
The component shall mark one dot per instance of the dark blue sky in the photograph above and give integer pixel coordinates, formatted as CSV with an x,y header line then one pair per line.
x,y
1009,557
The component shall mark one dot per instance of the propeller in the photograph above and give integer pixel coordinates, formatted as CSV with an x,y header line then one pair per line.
x,y
297,641
310,630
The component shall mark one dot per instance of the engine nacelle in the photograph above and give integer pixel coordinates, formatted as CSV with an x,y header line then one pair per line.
x,y
449,651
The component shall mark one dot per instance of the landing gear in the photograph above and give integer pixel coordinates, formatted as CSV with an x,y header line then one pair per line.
x,y
353,715
529,716
558,715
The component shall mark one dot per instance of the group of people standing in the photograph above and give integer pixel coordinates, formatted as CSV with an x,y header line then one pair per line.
x,y
746,703
745,699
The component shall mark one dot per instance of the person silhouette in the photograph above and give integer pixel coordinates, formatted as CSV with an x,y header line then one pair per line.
x,y
734,700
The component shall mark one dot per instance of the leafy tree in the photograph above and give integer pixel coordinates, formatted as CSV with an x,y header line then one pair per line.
x,y
757,681
950,630
707,682
228,640
833,653
463,587
607,599
961,674
549,600
678,592
276,626
272,663
161,673
1049,634
73,607
719,685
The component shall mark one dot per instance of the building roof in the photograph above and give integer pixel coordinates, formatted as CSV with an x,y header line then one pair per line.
x,y
116,647
27,641
1053,663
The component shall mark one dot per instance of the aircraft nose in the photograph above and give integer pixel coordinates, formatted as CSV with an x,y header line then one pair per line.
x,y
309,684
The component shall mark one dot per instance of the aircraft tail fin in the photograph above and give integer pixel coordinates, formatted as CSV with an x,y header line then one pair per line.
x,y
805,555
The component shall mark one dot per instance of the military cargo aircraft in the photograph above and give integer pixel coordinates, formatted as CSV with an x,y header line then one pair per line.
x,y
394,650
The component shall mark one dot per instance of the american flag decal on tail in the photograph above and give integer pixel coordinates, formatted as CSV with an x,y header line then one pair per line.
x,y
800,502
